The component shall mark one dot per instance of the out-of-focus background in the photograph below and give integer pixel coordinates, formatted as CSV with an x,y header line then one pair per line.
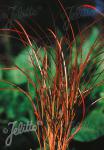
x,y
37,16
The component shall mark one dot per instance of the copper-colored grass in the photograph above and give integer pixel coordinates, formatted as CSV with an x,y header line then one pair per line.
x,y
59,97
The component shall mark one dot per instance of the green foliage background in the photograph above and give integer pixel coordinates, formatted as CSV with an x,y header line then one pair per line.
x,y
15,106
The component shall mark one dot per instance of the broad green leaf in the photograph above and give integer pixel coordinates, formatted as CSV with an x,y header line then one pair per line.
x,y
16,76
89,42
93,125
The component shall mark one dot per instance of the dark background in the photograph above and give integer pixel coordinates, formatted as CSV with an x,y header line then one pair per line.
x,y
39,12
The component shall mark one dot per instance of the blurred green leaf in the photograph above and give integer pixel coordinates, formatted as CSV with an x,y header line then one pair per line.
x,y
1,110
93,125
89,42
